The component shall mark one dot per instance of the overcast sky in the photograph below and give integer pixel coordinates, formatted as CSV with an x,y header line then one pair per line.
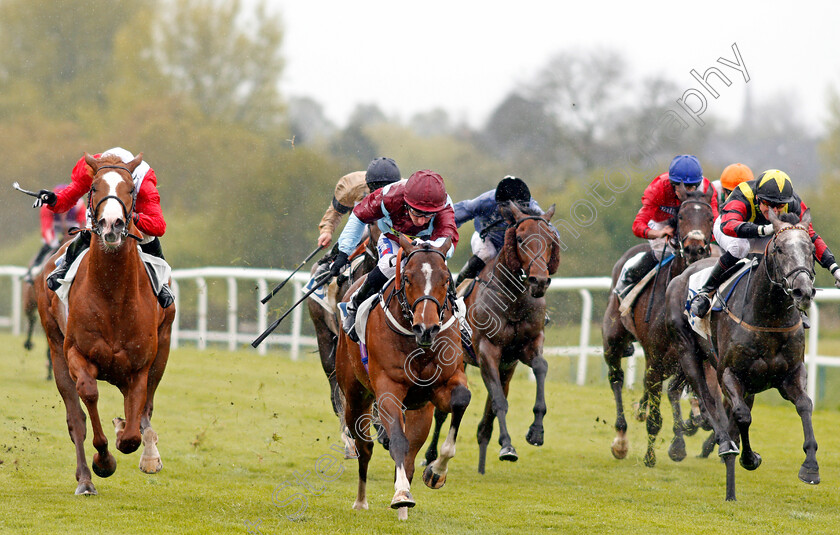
x,y
465,56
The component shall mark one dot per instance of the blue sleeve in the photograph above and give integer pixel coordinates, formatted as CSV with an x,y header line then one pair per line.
x,y
465,211
351,235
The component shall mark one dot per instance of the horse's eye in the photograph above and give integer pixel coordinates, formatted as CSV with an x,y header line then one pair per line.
x,y
681,217
519,239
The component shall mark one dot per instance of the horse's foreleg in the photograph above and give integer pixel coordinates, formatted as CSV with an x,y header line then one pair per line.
x,y
431,451
357,416
129,437
496,380
540,367
741,416
391,413
458,399
677,450
85,373
793,389
484,432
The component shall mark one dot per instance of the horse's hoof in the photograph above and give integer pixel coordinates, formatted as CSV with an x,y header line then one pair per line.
x,y
386,443
650,459
106,468
812,477
727,448
150,465
708,447
433,480
402,498
690,427
750,462
360,506
535,435
27,346
639,414
677,450
619,447
508,454
86,488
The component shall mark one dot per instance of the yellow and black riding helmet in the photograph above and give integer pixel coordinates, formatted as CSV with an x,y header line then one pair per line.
x,y
774,187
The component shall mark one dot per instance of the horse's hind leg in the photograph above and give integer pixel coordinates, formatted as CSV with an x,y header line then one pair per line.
x,y
458,399
485,432
653,386
104,463
615,341
76,419
150,461
431,451
793,389
357,415
741,418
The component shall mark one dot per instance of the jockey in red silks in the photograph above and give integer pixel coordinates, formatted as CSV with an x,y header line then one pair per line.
x,y
53,229
418,207
148,216
655,220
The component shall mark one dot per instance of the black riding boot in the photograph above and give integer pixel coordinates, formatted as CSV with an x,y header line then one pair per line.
x,y
471,270
373,283
46,249
164,297
79,244
635,273
700,303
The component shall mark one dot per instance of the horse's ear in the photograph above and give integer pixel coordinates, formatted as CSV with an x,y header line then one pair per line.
x,y
507,212
445,247
92,163
132,165
805,220
405,243
550,212
514,209
774,219
709,193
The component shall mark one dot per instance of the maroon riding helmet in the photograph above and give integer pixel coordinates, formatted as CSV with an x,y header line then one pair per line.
x,y
425,191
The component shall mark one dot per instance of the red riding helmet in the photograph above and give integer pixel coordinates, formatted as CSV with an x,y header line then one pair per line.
x,y
425,191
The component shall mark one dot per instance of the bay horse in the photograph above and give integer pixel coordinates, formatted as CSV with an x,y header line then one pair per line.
x,y
758,342
646,324
412,365
506,312
112,328
326,324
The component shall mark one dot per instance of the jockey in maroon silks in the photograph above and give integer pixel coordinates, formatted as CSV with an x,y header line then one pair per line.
x,y
660,205
148,216
744,218
418,207
53,229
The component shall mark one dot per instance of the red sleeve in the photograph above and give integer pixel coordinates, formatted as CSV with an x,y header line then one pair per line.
x,y
370,209
445,225
149,214
650,205
735,212
80,181
714,203
819,244
47,230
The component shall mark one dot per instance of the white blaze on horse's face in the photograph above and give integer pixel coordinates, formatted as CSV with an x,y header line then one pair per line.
x,y
111,211
426,269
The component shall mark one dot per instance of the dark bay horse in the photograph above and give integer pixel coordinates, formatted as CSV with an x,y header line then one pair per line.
x,y
112,328
326,323
646,323
506,311
758,343
414,364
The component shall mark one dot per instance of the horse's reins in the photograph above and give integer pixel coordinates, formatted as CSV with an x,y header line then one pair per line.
x,y
784,285
93,210
408,311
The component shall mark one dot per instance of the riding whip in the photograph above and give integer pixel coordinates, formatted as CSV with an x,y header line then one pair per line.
x,y
277,288
318,283
20,189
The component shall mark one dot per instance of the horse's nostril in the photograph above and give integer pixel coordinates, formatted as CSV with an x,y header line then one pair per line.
x,y
813,292
797,293
532,280
418,330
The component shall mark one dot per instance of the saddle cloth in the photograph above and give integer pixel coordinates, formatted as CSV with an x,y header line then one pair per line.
x,y
702,326
158,270
626,304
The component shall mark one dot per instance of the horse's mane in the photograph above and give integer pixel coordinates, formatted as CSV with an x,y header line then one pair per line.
x,y
509,246
110,159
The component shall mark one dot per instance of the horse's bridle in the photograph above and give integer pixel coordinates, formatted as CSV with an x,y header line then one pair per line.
x,y
785,284
523,272
692,234
93,210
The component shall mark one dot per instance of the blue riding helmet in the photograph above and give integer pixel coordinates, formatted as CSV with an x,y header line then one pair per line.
x,y
685,168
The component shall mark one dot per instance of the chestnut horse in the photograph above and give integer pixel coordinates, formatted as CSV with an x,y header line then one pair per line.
x,y
646,323
112,328
508,323
414,364
758,342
